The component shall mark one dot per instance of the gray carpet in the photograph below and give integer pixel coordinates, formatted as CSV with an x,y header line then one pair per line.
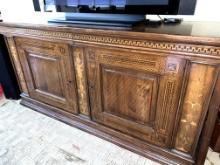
x,y
30,138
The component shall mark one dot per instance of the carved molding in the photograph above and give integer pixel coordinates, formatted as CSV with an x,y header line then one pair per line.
x,y
199,50
128,42
24,42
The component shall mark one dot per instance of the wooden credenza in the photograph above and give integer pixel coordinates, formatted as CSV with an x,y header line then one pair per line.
x,y
148,90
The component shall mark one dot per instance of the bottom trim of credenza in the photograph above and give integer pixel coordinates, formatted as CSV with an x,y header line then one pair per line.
x,y
155,153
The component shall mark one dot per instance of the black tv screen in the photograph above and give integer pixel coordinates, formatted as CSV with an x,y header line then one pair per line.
x,y
107,3
113,6
113,10
174,7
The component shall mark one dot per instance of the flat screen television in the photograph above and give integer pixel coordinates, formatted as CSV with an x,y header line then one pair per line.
x,y
113,11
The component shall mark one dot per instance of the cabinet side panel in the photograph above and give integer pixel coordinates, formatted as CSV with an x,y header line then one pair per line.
x,y
17,64
214,108
81,81
200,83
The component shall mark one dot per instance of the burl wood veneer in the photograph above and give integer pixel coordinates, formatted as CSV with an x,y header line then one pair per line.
x,y
155,91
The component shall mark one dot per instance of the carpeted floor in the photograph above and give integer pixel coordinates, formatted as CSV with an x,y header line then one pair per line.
x,y
30,138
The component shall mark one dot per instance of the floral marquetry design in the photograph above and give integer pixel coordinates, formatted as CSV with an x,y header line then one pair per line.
x,y
200,82
81,81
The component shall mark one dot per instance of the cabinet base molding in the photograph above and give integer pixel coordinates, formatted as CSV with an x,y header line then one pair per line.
x,y
140,147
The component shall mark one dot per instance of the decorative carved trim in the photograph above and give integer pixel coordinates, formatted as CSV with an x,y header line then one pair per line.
x,y
167,107
128,42
167,46
151,64
17,64
120,59
81,81
35,44
42,46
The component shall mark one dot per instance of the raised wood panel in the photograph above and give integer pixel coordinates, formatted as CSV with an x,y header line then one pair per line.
x,y
48,73
200,83
130,95
137,100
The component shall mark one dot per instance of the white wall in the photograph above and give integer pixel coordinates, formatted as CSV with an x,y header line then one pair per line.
x,y
16,10
206,10
21,10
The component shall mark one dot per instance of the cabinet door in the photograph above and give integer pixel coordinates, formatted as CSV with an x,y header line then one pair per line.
x,y
48,72
135,93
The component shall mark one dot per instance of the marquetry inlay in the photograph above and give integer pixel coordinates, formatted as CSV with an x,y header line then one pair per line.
x,y
17,64
43,46
128,42
81,81
200,82
199,50
167,107
172,67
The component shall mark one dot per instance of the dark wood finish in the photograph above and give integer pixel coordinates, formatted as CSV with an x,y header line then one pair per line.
x,y
148,90
48,72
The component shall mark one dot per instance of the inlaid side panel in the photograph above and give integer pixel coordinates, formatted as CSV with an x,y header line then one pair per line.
x,y
17,64
200,82
168,97
81,81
